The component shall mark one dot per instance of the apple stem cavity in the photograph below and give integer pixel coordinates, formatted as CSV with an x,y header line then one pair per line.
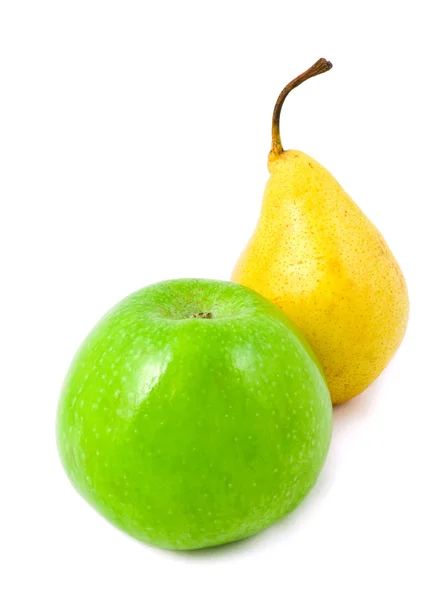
x,y
202,315
321,66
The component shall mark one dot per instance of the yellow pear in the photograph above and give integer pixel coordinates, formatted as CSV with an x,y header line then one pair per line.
x,y
321,260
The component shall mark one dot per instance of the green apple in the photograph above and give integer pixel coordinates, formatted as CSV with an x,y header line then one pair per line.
x,y
194,414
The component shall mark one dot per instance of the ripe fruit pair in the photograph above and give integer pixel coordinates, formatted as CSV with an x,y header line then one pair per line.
x,y
195,413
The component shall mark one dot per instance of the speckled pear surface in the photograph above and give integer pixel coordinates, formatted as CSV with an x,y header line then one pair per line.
x,y
194,414
319,258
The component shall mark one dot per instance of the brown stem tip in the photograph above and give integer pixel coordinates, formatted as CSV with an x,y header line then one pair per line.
x,y
321,66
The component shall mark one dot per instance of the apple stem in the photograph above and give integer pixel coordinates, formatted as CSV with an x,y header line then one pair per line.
x,y
321,66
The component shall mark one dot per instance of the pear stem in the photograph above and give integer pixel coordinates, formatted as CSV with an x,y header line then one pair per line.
x,y
321,66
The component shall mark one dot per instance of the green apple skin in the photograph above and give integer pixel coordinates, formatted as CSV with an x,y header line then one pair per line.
x,y
187,431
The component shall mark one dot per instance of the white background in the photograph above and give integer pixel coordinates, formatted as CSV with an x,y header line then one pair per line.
x,y
133,141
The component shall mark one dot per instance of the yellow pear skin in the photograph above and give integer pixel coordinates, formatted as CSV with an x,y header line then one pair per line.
x,y
321,260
